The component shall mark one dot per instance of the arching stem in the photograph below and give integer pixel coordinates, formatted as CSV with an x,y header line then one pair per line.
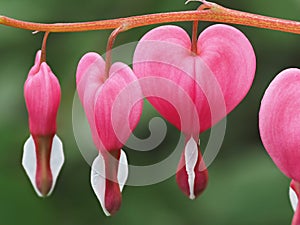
x,y
214,13
44,46
110,43
204,6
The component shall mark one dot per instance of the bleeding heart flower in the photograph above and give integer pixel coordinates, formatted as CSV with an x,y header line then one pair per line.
x,y
279,125
215,78
113,107
43,152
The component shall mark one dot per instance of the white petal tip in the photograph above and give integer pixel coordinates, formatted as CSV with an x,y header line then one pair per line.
x,y
98,181
191,157
122,170
29,162
192,197
293,198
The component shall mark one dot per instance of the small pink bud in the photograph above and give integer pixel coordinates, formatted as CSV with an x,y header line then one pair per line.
x,y
43,155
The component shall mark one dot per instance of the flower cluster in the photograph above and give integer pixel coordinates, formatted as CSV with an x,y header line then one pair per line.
x,y
192,90
192,84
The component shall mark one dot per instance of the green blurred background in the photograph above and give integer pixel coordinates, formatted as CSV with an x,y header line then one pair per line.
x,y
245,187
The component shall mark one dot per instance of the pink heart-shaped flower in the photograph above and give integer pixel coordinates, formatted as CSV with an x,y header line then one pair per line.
x,y
279,122
210,83
113,106
279,126
223,52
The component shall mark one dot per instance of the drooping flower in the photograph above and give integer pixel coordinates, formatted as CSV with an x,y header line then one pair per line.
x,y
113,108
208,85
43,152
279,125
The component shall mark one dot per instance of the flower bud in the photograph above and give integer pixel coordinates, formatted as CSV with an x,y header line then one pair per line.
x,y
43,154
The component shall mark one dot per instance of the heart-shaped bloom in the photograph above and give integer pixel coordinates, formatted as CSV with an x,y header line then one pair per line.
x,y
43,154
208,85
279,125
113,107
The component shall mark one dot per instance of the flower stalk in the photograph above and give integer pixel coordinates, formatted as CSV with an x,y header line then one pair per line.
x,y
211,12
194,37
110,43
44,47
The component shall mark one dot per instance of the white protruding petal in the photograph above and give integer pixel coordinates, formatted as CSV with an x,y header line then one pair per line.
x,y
122,170
98,177
293,199
29,161
57,160
98,181
191,157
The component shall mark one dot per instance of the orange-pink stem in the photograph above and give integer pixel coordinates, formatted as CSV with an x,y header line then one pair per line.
x,y
44,46
110,43
212,13
194,37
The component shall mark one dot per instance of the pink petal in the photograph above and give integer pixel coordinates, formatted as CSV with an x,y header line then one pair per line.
x,y
231,59
164,53
90,76
42,96
279,122
223,70
36,65
118,107
93,65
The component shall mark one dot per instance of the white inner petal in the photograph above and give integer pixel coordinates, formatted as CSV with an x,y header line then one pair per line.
x,y
98,177
98,181
191,157
29,162
122,170
30,165
57,159
293,198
